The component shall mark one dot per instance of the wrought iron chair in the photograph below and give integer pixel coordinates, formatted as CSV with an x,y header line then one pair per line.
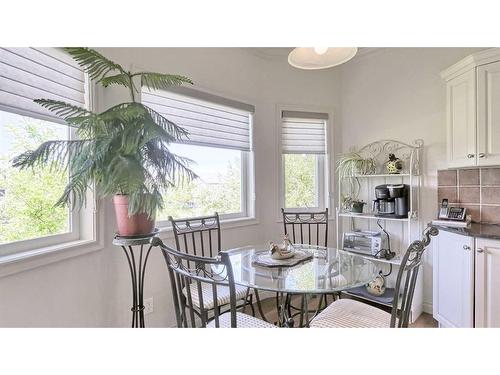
x,y
349,313
309,228
204,278
201,236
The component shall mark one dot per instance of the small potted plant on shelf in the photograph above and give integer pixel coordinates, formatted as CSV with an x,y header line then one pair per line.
x,y
123,151
353,205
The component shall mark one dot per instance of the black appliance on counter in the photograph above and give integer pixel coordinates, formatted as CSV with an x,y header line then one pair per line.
x,y
391,201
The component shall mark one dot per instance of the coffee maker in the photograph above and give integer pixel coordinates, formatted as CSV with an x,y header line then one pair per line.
x,y
391,201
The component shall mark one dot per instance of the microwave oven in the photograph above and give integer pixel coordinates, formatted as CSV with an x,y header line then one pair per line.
x,y
365,242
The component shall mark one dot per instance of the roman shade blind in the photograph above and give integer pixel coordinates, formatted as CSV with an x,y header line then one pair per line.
x,y
39,73
303,132
210,120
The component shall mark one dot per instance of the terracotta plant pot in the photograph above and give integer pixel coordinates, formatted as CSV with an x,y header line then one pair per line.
x,y
130,225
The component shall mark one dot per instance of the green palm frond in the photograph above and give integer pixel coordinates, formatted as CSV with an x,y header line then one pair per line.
x,y
53,153
80,118
75,192
174,129
124,172
95,64
166,167
122,79
124,112
158,81
62,109
146,200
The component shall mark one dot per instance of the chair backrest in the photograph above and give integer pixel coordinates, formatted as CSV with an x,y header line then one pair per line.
x,y
198,235
309,228
193,277
407,278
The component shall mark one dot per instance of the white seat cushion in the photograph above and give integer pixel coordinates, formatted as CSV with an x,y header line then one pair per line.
x,y
242,321
208,297
348,313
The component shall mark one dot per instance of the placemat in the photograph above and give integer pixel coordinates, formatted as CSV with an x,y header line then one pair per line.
x,y
264,259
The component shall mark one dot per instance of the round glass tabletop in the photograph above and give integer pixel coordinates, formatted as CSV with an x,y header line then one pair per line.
x,y
329,270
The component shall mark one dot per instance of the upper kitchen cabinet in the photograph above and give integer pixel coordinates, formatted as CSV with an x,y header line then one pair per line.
x,y
473,110
461,120
488,114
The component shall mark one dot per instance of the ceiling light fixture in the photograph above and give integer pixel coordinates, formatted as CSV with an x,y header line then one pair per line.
x,y
311,58
320,50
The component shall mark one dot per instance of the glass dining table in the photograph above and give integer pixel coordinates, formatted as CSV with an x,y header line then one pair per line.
x,y
328,271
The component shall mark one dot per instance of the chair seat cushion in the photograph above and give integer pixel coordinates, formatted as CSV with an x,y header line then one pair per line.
x,y
242,321
208,297
348,313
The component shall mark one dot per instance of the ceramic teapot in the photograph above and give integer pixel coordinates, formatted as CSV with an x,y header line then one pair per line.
x,y
283,251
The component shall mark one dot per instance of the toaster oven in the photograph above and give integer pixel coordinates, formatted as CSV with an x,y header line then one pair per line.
x,y
365,242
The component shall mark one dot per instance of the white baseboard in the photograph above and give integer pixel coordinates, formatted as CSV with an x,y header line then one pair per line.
x,y
427,307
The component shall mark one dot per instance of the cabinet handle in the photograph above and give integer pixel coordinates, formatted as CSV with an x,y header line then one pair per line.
x,y
482,155
466,247
470,156
479,250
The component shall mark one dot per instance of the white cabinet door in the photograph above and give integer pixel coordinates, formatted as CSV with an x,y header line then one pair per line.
x,y
461,120
453,280
487,309
488,114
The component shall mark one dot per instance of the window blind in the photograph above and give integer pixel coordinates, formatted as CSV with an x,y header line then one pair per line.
x,y
39,73
210,120
303,132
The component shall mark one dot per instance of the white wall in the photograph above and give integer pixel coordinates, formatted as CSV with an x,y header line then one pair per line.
x,y
397,93
94,289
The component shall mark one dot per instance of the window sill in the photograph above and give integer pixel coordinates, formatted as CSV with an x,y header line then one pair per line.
x,y
23,261
166,231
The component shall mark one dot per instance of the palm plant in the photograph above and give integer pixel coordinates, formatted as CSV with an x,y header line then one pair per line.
x,y
123,150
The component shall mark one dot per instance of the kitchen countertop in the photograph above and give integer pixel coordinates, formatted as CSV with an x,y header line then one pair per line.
x,y
476,230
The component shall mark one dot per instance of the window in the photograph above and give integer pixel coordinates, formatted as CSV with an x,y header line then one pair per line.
x,y
27,208
303,162
220,147
28,218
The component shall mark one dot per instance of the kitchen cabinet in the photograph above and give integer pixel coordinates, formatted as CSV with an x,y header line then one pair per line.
x,y
487,281
461,120
466,278
488,114
473,110
453,280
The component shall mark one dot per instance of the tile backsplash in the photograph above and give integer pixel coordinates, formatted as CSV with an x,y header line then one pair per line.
x,y
476,189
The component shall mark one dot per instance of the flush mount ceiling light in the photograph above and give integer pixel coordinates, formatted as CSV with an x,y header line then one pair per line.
x,y
312,58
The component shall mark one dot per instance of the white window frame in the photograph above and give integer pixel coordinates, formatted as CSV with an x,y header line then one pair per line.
x,y
323,173
83,232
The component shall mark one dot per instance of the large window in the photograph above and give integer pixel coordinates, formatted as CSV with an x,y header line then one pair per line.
x,y
303,166
27,204
28,218
219,187
219,146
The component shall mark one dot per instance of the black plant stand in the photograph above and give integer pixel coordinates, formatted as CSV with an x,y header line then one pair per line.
x,y
137,267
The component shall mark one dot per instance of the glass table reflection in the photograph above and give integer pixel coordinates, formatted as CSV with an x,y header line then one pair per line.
x,y
330,270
